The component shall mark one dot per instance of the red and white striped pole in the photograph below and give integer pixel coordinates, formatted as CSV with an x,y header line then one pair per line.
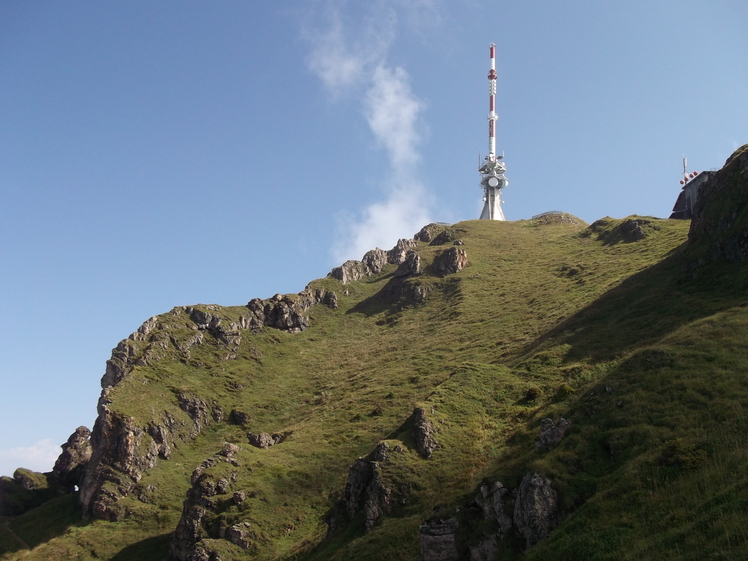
x,y
492,117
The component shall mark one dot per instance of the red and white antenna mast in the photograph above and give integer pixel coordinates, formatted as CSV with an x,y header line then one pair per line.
x,y
492,171
492,116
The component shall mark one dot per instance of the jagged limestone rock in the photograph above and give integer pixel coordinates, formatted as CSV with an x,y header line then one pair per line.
x,y
491,499
375,260
365,490
423,433
550,434
428,232
76,453
263,440
450,261
439,540
350,271
201,506
399,253
535,509
411,266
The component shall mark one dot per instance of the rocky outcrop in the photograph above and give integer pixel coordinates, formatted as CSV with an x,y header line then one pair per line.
x,y
719,226
550,434
491,499
211,484
76,453
444,237
536,509
439,540
30,480
423,433
399,253
411,266
375,260
450,261
365,491
429,232
350,271
263,440
121,451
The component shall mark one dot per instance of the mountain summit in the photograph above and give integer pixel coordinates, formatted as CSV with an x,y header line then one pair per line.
x,y
539,389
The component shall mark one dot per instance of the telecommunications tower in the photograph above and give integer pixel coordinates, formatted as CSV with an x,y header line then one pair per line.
x,y
492,178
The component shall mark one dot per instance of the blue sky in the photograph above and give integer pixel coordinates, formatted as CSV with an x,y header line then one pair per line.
x,y
162,154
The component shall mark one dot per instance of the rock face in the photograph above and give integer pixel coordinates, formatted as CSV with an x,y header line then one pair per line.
x,y
719,228
375,260
450,261
550,434
212,483
428,232
121,448
365,491
399,253
491,498
76,453
411,266
439,540
535,509
423,433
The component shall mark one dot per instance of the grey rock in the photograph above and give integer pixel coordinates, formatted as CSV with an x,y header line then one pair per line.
x,y
423,433
350,271
263,440
450,261
76,453
550,434
444,237
375,260
240,535
398,254
439,540
410,266
360,475
428,232
535,509
491,500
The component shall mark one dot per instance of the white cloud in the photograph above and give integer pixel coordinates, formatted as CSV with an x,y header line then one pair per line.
x,y
392,113
349,56
37,457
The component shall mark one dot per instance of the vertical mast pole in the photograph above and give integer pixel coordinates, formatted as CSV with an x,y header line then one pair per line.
x,y
492,117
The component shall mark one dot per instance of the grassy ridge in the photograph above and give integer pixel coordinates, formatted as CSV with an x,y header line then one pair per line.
x,y
545,315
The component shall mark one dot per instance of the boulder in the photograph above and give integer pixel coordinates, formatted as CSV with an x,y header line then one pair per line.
x,y
450,261
550,434
535,509
263,440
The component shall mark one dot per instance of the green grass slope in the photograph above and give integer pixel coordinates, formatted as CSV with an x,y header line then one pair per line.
x,y
548,320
